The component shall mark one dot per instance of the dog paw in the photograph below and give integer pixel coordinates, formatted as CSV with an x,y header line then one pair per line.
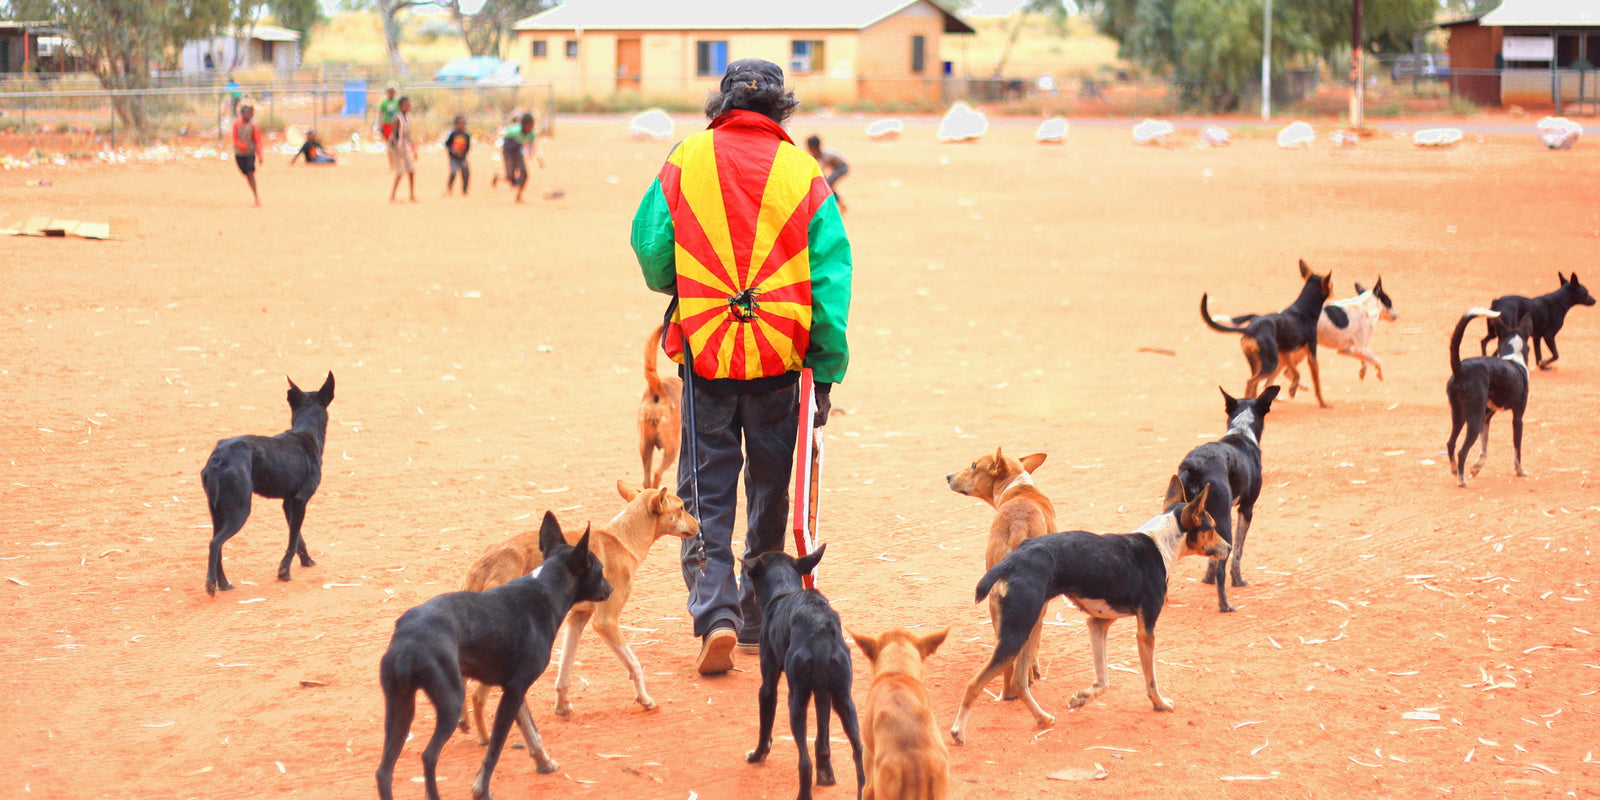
x,y
305,561
563,710
225,585
1008,695
1238,580
755,756
1227,608
547,767
1161,703
646,703
211,588
1208,578
1078,701
1046,719
825,775
283,575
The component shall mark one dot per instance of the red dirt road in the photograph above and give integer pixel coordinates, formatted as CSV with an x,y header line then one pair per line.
x,y
488,369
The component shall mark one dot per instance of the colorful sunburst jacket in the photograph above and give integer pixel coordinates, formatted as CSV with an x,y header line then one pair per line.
x,y
742,227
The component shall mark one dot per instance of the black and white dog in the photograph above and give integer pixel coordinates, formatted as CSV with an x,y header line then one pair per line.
x,y
1478,387
286,466
1231,467
1345,326
1545,313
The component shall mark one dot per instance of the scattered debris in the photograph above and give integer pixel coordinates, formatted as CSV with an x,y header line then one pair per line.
x,y
1079,774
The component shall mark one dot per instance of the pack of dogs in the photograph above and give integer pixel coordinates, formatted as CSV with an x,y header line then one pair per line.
x,y
501,628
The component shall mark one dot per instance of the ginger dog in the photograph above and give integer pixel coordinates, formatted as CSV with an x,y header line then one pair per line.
x,y
1021,513
906,758
659,427
621,545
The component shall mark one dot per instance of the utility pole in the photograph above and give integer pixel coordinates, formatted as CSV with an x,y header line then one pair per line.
x,y
1266,61
1358,82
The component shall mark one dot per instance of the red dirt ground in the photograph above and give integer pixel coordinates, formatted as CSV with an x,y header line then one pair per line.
x,y
488,369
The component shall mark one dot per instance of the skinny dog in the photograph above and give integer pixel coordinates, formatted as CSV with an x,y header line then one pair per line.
x,y
658,415
1345,326
1022,512
1478,387
1107,576
286,466
501,637
1545,313
1231,468
1273,343
906,756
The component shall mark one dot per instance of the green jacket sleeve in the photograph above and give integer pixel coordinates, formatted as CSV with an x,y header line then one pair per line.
x,y
653,243
829,353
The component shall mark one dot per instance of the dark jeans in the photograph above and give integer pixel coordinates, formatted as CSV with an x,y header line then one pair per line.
x,y
766,422
516,165
459,165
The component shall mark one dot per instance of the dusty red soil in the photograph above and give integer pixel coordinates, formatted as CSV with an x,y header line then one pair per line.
x,y
488,368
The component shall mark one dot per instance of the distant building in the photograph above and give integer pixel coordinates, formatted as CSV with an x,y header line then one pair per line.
x,y
31,47
266,45
1545,53
832,51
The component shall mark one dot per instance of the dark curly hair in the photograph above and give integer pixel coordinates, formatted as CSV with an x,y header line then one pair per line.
x,y
775,102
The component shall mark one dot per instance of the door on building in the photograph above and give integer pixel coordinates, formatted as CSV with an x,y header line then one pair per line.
x,y
628,71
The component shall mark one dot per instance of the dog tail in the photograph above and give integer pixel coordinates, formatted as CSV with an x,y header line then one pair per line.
x,y
651,347
1213,323
987,582
1461,330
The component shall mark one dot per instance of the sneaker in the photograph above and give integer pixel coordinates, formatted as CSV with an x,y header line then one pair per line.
x,y
716,651
749,642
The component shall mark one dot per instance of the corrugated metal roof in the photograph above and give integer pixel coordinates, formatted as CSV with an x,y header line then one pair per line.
x,y
1544,13
273,33
726,15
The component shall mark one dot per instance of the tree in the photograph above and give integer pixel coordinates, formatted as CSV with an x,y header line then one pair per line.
x,y
1214,46
300,16
486,31
1056,9
390,10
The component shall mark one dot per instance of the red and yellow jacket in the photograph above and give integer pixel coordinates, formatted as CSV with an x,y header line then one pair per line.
x,y
741,226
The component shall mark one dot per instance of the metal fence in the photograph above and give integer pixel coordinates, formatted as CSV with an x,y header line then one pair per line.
x,y
83,115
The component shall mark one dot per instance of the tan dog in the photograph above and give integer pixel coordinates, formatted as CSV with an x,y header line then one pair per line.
x,y
905,754
658,415
1021,513
621,545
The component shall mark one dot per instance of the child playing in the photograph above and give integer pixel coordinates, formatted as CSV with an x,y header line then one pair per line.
x,y
456,145
312,151
247,146
519,138
832,163
403,151
386,111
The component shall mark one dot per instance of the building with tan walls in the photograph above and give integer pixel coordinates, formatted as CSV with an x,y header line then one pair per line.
x,y
832,51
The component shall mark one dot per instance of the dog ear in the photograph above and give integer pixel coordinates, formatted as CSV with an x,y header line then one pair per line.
x,y
550,534
1264,400
805,565
627,490
1229,402
1361,289
1561,278
326,392
928,644
578,560
1305,270
1033,461
658,501
1327,284
294,392
1195,512
1175,493
868,644
999,464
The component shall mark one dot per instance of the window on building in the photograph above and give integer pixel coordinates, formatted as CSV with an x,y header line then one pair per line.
x,y
805,56
710,58
572,48
919,54
538,48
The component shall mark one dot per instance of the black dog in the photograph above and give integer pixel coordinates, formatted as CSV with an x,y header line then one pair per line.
x,y
804,642
287,466
501,637
1478,387
1275,342
1546,314
1107,576
1231,466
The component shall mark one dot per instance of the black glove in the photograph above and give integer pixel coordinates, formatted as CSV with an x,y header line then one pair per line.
x,y
824,405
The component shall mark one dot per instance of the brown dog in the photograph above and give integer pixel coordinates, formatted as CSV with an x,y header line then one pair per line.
x,y
1021,513
906,757
621,545
658,415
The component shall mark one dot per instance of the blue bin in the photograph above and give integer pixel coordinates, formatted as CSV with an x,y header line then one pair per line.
x,y
355,99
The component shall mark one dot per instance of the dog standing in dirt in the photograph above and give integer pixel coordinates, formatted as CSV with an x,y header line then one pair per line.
x,y
1107,576
1022,512
287,466
1274,343
1345,326
621,545
1231,467
1478,387
905,755
803,642
658,416
501,637
1545,313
